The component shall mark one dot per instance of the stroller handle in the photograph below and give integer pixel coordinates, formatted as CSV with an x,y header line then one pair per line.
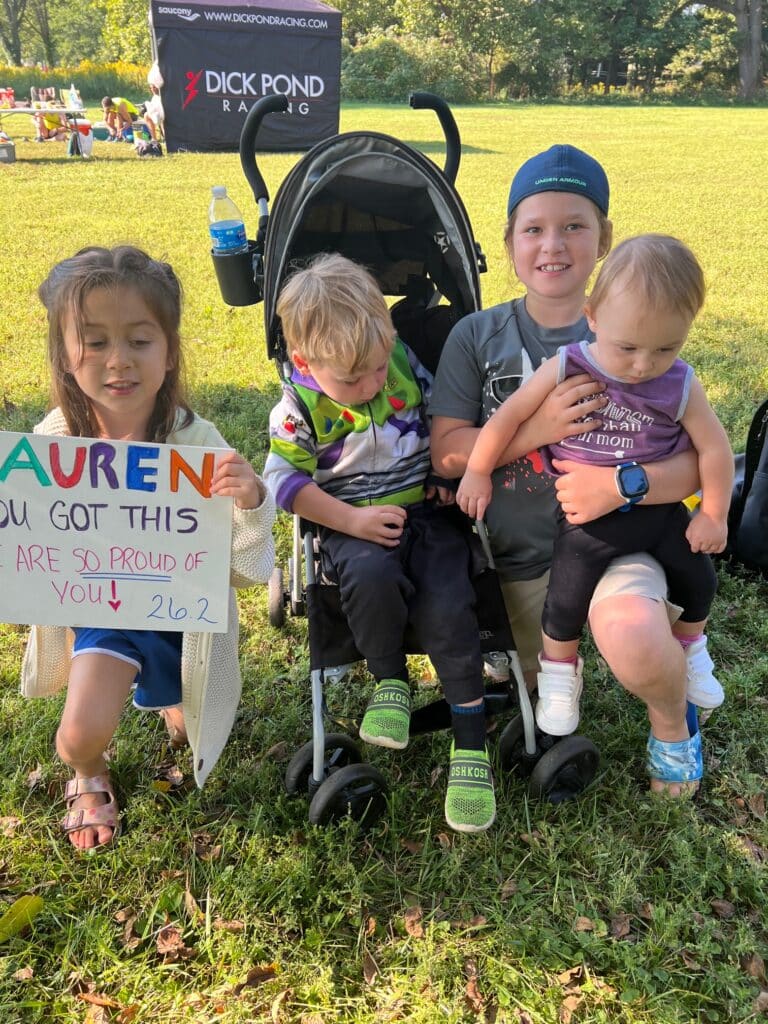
x,y
257,113
428,101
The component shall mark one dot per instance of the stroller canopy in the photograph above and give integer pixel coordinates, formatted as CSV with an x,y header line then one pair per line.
x,y
382,203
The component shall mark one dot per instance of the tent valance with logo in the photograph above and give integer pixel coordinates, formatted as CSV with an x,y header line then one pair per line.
x,y
217,58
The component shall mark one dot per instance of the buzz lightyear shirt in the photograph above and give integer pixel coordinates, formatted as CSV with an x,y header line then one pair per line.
x,y
371,454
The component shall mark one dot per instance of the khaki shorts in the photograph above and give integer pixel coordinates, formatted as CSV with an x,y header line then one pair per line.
x,y
636,575
524,600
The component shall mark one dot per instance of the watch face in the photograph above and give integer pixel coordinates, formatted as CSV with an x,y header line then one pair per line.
x,y
634,482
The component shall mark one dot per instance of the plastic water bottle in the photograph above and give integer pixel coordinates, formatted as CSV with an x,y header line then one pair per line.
x,y
225,224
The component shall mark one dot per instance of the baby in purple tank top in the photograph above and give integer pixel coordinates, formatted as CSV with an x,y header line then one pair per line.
x,y
641,309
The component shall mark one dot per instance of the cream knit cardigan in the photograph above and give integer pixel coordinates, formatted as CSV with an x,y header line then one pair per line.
x,y
210,670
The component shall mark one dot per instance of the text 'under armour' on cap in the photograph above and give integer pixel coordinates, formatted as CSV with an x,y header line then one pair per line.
x,y
560,169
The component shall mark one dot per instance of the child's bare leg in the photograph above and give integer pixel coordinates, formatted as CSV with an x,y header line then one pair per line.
x,y
98,687
559,650
683,630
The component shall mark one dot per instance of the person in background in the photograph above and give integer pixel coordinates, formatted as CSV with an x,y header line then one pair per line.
x,y
50,125
119,114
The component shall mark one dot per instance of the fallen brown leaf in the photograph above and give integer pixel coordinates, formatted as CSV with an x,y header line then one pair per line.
x,y
191,906
446,841
434,775
757,805
572,978
509,888
646,911
35,777
277,1002
127,1014
412,845
170,944
583,924
567,1008
620,926
228,926
412,920
370,969
24,974
758,853
278,752
689,961
723,908
754,965
760,1004
96,1015
473,995
370,926
9,825
98,1000
255,977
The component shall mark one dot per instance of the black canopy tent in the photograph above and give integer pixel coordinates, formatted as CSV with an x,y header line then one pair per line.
x,y
217,58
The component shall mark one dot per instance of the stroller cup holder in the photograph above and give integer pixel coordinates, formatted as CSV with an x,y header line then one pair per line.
x,y
240,275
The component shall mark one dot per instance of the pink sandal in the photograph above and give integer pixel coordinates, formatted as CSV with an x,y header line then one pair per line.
x,y
107,814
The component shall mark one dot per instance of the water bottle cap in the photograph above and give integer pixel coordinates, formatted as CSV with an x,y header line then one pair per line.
x,y
219,191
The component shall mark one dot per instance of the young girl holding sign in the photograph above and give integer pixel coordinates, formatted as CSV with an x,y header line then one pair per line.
x,y
115,356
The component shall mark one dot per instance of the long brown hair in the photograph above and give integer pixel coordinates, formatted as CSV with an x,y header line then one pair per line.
x,y
63,293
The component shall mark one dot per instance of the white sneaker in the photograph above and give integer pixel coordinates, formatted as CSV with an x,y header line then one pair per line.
x,y
703,689
560,685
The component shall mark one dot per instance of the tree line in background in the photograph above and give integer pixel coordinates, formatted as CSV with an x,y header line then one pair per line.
x,y
466,51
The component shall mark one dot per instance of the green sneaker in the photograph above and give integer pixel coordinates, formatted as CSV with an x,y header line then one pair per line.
x,y
387,718
470,802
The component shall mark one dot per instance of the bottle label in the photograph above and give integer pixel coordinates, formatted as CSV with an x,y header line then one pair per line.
x,y
228,235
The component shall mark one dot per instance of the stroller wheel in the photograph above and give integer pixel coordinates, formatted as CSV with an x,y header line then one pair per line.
x,y
340,750
565,771
276,598
357,790
511,754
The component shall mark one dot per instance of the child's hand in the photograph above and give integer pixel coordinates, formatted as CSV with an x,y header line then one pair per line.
x,y
445,495
573,407
706,534
474,493
585,492
235,478
380,524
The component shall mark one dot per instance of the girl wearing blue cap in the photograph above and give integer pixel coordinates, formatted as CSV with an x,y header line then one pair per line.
x,y
557,230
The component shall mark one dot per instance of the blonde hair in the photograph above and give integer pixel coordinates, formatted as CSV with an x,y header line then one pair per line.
x,y
604,225
64,292
333,312
662,270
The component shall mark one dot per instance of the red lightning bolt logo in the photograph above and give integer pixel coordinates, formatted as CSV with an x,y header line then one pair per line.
x,y
191,87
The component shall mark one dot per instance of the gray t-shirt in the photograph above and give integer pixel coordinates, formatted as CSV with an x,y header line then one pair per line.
x,y
485,359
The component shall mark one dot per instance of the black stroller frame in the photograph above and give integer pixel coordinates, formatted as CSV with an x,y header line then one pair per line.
x,y
379,201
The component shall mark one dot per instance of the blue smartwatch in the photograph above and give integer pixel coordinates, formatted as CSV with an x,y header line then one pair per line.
x,y
631,483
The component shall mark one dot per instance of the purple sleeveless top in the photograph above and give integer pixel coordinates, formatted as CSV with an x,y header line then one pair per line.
x,y
640,423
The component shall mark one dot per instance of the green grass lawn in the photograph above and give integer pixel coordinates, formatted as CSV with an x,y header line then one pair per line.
x,y
224,905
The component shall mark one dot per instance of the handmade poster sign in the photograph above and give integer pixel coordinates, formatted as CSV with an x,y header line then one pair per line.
x,y
112,533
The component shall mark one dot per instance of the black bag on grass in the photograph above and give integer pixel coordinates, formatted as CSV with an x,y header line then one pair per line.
x,y
148,147
748,515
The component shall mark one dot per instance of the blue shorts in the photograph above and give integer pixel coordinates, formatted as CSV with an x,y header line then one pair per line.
x,y
156,657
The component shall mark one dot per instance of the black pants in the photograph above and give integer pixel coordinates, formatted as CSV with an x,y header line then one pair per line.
x,y
425,582
582,553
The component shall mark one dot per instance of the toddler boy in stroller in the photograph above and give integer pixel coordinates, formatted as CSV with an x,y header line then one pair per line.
x,y
349,451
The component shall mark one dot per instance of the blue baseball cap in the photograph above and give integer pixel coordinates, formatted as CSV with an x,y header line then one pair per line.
x,y
561,169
